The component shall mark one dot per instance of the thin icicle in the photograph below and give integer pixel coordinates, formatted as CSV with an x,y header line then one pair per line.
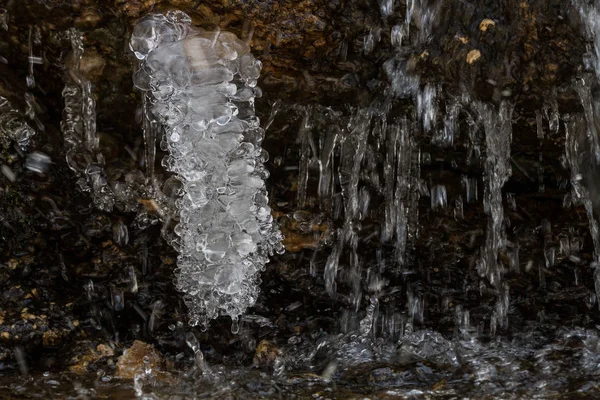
x,y
79,129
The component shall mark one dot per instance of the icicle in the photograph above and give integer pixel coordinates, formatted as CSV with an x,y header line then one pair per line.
x,y
305,136
79,129
389,176
353,146
590,16
152,130
408,181
470,185
458,209
32,59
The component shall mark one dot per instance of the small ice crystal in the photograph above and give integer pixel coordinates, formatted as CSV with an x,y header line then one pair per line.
x,y
201,86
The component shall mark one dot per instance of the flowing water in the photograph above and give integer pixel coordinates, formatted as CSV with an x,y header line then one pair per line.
x,y
417,264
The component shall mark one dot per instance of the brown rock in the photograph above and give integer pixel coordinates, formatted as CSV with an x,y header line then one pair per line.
x,y
51,338
105,350
473,56
92,65
89,18
486,24
139,357
266,353
83,361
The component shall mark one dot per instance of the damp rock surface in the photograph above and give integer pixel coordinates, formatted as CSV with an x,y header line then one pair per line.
x,y
140,358
432,166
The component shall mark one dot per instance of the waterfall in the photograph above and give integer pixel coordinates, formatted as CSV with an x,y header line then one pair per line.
x,y
498,133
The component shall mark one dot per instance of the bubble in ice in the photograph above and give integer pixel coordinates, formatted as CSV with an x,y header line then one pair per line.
x,y
201,86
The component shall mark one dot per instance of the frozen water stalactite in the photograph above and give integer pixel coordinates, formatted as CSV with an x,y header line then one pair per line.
x,y
201,87
79,129
79,123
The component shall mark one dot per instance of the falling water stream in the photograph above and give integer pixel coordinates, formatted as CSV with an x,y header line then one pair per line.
x,y
414,267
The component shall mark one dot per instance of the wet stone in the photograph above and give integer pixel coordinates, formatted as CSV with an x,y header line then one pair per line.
x,y
90,357
138,359
92,65
266,354
88,19
327,54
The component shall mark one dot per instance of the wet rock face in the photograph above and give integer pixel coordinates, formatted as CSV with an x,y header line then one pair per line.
x,y
317,50
519,48
309,48
529,46
65,278
140,358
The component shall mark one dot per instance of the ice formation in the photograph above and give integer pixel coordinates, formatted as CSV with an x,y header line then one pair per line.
x,y
201,87
13,126
79,129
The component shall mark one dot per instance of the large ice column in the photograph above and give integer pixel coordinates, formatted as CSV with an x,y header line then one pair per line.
x,y
201,86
